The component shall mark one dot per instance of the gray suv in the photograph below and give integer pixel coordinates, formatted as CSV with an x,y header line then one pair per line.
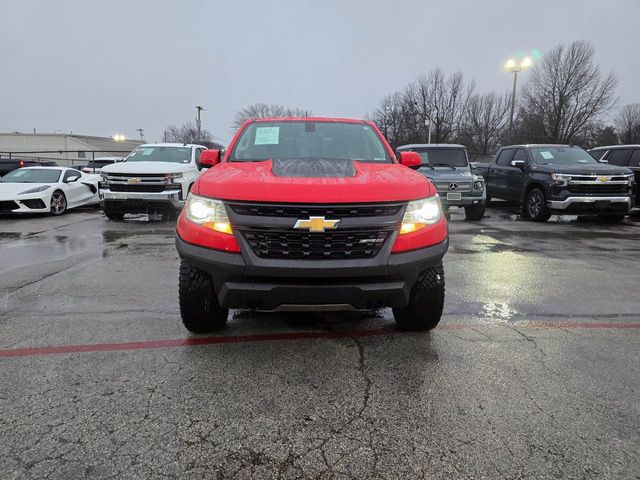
x,y
447,166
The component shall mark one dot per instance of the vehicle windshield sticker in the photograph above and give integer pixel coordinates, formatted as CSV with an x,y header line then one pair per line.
x,y
267,136
147,151
546,155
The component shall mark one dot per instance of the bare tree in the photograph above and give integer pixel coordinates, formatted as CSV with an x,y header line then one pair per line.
x,y
627,124
565,93
486,119
188,133
266,110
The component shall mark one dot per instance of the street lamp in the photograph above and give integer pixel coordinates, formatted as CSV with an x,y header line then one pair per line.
x,y
514,67
119,137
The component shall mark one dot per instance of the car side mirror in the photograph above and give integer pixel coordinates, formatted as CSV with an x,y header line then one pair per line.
x,y
72,179
518,163
411,159
602,160
209,158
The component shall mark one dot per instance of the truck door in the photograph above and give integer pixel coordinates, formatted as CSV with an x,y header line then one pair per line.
x,y
516,175
497,173
634,164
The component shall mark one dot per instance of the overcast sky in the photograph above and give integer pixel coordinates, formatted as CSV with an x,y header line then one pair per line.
x,y
106,67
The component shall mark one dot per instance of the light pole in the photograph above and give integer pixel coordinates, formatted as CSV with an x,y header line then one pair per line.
x,y
514,67
199,108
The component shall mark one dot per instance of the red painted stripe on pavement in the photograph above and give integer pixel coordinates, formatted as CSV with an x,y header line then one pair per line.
x,y
265,337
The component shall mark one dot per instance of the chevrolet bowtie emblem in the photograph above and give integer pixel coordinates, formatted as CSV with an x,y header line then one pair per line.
x,y
604,179
317,224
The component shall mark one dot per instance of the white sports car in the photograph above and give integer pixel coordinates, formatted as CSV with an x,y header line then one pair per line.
x,y
47,189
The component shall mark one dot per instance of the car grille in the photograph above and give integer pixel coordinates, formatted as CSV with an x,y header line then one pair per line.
x,y
319,246
7,206
596,189
443,187
302,211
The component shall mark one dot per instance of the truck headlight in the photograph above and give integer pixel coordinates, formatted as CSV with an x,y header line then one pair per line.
x,y
208,212
421,213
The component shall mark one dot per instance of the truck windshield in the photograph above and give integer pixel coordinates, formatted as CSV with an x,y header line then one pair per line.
x,y
561,156
309,140
160,154
32,175
444,157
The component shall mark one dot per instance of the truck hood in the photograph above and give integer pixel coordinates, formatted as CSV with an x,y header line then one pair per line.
x,y
313,182
595,169
145,167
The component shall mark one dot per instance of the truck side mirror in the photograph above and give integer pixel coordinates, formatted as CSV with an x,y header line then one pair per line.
x,y
518,163
410,159
209,158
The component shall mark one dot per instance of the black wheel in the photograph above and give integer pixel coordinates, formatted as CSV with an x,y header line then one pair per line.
x,y
199,306
611,218
473,213
58,203
115,215
535,206
425,303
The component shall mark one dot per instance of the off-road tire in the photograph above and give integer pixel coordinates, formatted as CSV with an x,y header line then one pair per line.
x,y
534,207
425,302
199,306
58,204
611,218
115,215
473,213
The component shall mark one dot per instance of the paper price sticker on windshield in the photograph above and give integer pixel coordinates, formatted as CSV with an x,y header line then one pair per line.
x,y
546,155
267,136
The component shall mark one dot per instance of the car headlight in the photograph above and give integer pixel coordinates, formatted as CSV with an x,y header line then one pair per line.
x,y
478,185
208,212
171,176
421,213
41,188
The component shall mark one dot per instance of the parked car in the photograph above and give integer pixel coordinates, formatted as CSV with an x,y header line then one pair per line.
x,y
447,166
47,189
623,156
562,179
311,214
154,178
9,164
95,166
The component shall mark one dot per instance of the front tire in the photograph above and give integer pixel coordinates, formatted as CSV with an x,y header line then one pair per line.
x,y
535,206
611,218
114,215
473,213
425,303
58,204
199,307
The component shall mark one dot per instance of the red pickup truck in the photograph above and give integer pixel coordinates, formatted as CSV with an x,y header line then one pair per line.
x,y
303,214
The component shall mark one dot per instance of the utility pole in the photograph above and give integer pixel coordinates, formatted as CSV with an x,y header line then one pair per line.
x,y
141,131
199,108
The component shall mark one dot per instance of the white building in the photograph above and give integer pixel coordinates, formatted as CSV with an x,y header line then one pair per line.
x,y
66,149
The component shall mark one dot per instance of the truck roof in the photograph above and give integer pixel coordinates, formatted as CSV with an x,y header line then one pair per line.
x,y
171,145
431,145
309,119
539,145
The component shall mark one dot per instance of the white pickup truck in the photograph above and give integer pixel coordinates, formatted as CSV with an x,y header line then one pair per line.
x,y
154,178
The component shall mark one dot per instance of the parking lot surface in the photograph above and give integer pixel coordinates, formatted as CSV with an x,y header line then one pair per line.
x,y
533,372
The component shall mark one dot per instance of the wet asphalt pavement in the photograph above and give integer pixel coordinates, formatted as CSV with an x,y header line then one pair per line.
x,y
533,372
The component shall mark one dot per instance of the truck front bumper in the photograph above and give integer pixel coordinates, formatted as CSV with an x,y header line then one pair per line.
x,y
308,285
141,202
592,204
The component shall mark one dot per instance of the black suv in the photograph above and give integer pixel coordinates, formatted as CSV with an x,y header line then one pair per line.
x,y
561,179
623,156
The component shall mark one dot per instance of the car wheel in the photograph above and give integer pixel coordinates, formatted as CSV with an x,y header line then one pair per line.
x,y
199,307
114,215
58,203
535,206
425,302
611,218
474,213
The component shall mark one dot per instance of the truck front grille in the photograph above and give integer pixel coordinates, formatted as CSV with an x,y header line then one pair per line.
x,y
598,189
340,244
144,188
303,211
